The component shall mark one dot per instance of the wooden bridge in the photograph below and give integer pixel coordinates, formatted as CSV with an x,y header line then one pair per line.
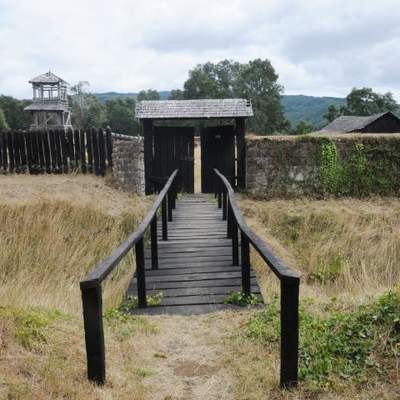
x,y
196,271
199,252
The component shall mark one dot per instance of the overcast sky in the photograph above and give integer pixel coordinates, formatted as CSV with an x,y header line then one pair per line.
x,y
318,47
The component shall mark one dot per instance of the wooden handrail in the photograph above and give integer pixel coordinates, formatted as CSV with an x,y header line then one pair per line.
x,y
91,285
290,279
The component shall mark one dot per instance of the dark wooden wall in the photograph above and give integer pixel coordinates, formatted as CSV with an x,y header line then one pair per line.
x,y
386,124
217,151
56,151
167,148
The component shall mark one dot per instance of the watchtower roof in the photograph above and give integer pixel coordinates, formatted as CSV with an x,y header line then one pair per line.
x,y
48,77
193,109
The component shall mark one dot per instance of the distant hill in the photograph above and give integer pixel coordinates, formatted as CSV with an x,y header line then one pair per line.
x,y
103,97
296,107
309,108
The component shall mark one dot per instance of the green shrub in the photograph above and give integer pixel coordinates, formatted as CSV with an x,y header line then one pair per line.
x,y
241,299
348,345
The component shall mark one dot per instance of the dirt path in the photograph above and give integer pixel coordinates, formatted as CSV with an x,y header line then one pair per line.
x,y
185,360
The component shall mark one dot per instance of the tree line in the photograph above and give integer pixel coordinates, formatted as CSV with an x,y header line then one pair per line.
x,y
256,80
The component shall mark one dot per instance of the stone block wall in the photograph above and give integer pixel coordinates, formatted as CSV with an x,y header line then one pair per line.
x,y
290,166
128,164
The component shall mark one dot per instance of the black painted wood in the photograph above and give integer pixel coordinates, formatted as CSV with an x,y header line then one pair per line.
x,y
290,282
195,265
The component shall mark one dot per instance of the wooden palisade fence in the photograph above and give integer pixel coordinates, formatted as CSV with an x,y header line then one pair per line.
x,y
56,151
289,279
91,285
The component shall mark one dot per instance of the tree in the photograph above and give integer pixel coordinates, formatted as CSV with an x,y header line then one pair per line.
x,y
365,101
87,111
303,128
176,94
256,81
148,95
3,122
332,113
14,113
121,116
212,81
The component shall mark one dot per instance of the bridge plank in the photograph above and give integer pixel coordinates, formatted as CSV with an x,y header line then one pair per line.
x,y
195,271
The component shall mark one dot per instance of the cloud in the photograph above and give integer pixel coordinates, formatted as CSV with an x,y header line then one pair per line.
x,y
317,47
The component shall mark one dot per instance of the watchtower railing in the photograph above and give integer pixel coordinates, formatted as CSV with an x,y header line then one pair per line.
x,y
91,285
290,280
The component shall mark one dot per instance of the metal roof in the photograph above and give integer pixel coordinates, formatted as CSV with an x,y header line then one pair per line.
x,y
47,106
205,108
48,77
350,123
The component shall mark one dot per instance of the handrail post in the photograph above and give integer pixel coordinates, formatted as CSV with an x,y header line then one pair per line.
x,y
164,219
229,218
224,196
235,243
245,250
169,203
219,196
154,244
173,197
289,331
140,273
92,303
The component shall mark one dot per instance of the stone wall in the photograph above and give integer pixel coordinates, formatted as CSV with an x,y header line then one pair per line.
x,y
347,164
128,164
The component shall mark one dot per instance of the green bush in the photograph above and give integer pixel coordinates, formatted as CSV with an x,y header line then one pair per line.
x,y
348,345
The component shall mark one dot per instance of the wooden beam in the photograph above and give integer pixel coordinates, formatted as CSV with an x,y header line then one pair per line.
x,y
241,152
147,125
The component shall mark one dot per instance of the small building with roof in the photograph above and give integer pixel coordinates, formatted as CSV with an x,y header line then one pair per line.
x,y
169,128
385,122
49,108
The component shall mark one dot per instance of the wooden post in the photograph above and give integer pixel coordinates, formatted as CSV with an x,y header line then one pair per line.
x,y
169,195
235,243
147,125
89,148
241,152
94,333
289,331
109,146
82,135
46,149
219,199
140,274
229,218
245,250
164,219
77,150
224,196
102,152
95,143
154,244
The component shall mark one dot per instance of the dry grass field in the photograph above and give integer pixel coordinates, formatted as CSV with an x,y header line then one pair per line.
x,y
53,229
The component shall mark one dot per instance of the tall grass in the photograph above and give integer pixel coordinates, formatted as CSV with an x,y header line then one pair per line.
x,y
47,247
343,245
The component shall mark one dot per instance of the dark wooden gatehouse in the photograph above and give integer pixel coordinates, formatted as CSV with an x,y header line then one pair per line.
x,y
386,122
169,146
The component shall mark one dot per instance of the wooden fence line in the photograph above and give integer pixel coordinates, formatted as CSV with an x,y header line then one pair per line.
x,y
56,151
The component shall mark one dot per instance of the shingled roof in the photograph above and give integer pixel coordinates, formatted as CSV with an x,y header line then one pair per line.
x,y
350,123
48,77
206,108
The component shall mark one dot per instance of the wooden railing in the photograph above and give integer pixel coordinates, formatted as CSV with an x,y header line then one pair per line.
x,y
289,279
56,151
91,285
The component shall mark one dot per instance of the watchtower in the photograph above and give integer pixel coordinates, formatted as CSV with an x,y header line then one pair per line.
x,y
50,107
